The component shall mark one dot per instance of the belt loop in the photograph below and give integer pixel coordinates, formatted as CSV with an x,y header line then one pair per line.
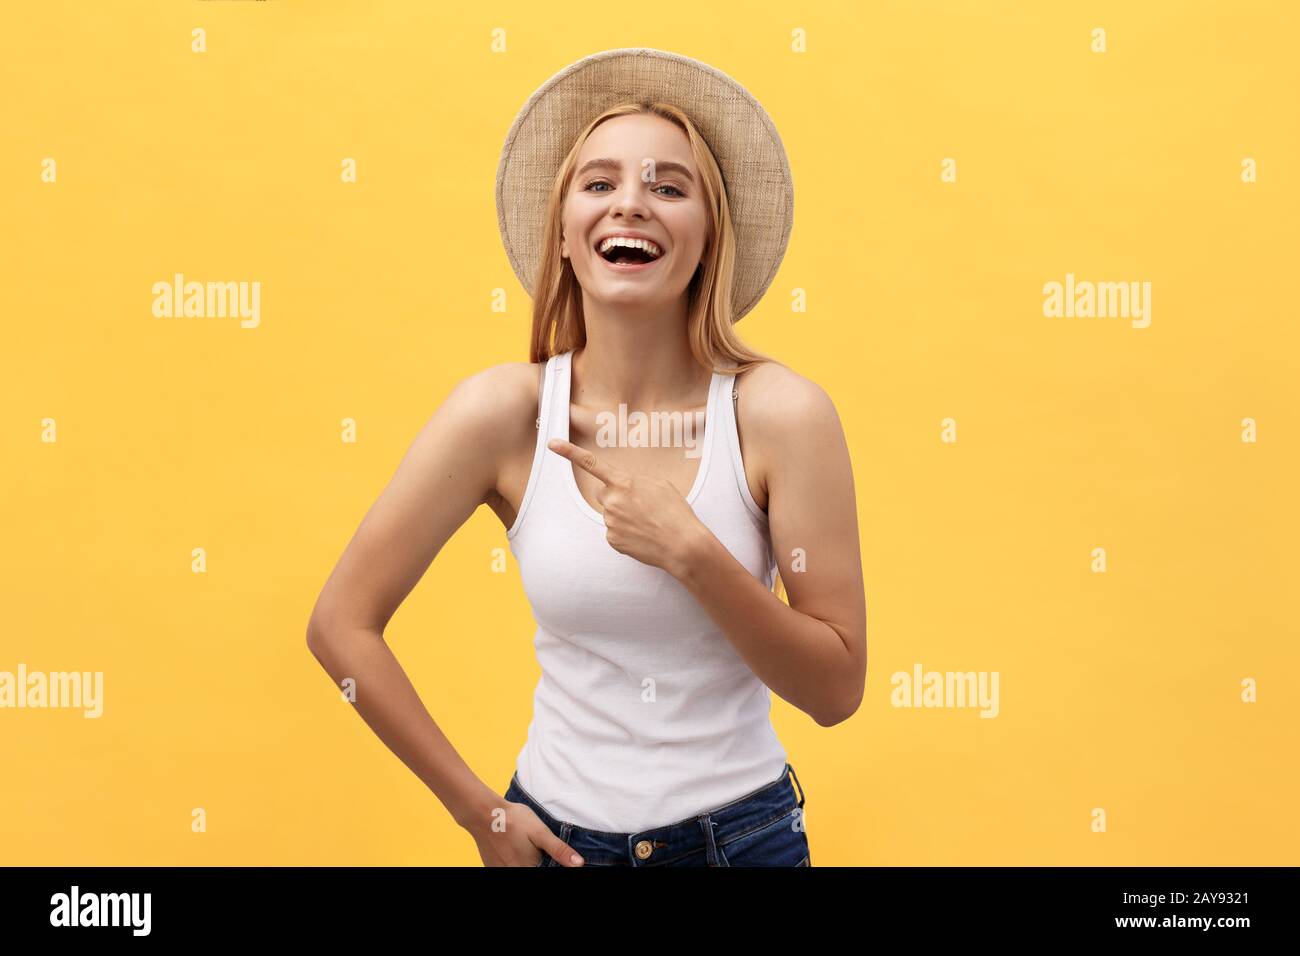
x,y
710,848
796,782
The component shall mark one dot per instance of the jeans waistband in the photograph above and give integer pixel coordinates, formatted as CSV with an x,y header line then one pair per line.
x,y
669,842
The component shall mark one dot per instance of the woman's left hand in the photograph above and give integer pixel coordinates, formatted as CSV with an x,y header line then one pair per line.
x,y
645,517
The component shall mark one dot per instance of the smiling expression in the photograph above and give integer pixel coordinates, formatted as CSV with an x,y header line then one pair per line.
x,y
635,178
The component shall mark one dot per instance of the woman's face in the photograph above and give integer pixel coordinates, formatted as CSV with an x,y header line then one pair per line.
x,y
635,175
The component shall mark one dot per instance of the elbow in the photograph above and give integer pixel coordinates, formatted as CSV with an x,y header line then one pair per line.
x,y
839,714
329,634
318,634
846,705
315,638
322,624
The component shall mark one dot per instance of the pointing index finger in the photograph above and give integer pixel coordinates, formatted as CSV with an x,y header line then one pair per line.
x,y
586,460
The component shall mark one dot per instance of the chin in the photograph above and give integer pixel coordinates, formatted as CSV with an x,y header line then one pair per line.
x,y
635,297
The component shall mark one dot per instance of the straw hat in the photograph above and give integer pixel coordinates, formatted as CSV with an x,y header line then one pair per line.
x,y
742,137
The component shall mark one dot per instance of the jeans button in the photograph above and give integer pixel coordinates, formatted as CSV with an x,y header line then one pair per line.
x,y
643,850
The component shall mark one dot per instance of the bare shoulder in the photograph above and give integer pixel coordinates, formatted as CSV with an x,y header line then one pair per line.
x,y
782,416
493,413
501,400
776,402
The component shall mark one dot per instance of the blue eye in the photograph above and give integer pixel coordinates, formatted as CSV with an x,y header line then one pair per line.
x,y
587,188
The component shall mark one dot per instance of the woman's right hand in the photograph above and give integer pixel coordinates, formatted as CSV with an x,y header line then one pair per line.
x,y
520,839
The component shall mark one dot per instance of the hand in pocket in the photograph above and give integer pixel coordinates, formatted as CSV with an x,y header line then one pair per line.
x,y
525,841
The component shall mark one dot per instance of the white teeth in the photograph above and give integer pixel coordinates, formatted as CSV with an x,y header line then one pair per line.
x,y
645,244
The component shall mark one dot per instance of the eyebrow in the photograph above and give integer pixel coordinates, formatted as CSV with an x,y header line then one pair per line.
x,y
661,166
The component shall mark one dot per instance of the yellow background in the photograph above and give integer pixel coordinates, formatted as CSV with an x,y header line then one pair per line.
x,y
1118,691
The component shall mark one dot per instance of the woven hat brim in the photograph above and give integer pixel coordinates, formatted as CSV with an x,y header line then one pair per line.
x,y
742,137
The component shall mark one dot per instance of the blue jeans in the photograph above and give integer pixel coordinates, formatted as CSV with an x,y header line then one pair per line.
x,y
762,828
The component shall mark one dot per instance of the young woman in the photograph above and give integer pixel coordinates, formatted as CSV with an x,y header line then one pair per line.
x,y
649,564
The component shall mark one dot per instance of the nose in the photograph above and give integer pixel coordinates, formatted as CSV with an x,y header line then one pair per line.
x,y
629,202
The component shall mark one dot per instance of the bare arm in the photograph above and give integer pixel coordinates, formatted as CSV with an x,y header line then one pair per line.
x,y
812,653
449,470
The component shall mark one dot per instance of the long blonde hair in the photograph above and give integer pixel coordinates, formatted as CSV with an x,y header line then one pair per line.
x,y
558,321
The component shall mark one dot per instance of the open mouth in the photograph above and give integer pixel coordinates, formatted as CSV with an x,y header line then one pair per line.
x,y
628,253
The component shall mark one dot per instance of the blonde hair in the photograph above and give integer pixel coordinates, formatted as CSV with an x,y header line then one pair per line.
x,y
558,321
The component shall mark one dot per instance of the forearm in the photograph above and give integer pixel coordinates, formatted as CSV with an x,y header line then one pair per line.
x,y
803,659
389,704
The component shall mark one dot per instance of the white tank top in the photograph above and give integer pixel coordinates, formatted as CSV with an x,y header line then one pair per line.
x,y
645,714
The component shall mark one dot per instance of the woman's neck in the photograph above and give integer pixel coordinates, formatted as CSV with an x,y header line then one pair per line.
x,y
641,364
